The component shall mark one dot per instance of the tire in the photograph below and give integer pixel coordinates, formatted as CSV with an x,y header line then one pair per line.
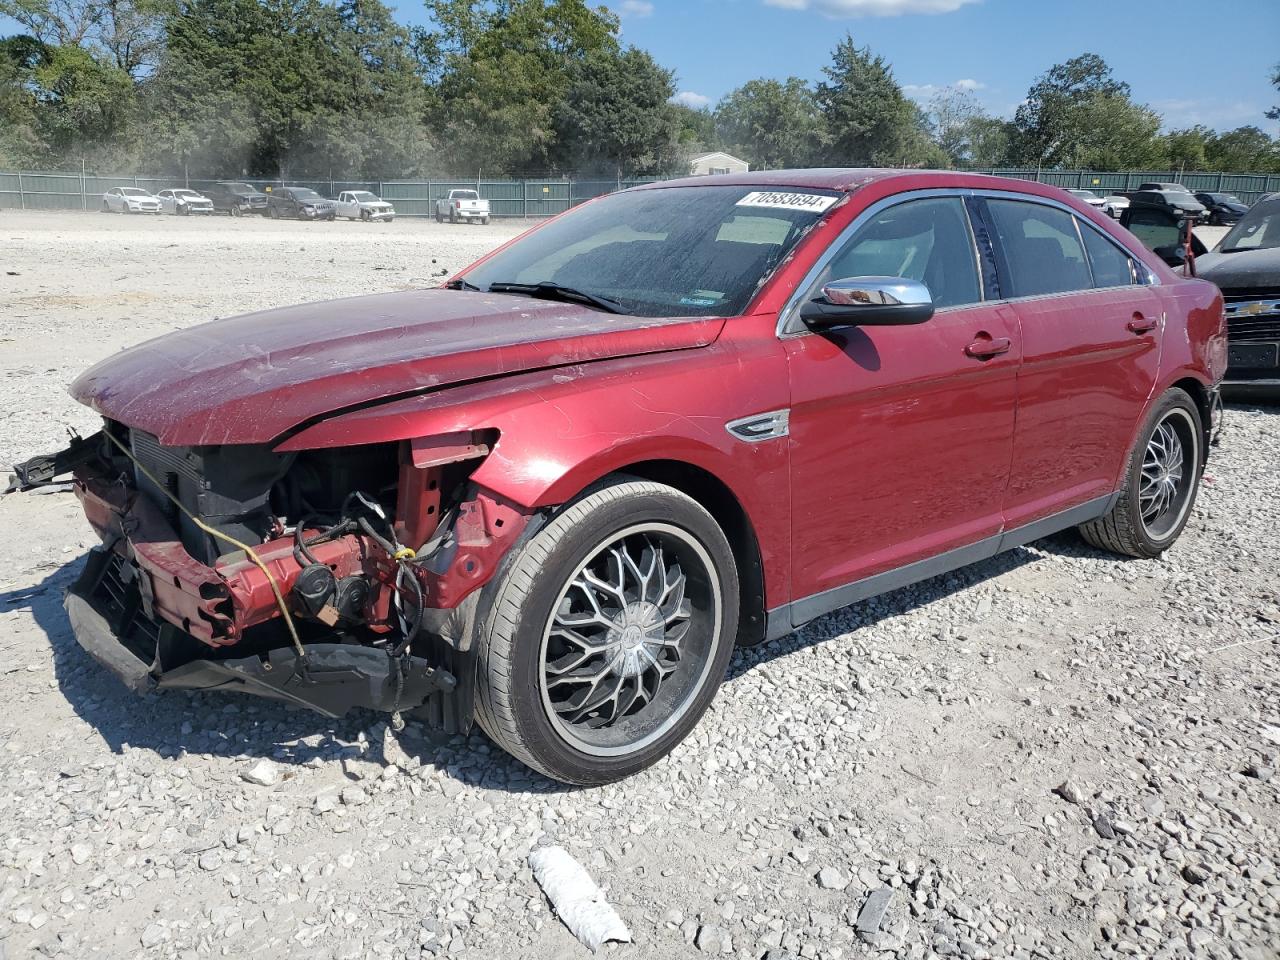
x,y
484,222
682,653
106,207
364,215
439,219
1143,523
235,210
453,216
273,213
184,211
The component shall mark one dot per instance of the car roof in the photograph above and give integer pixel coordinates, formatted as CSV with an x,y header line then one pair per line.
x,y
851,179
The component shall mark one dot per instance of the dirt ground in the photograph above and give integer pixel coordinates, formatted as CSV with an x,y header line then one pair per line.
x,y
911,744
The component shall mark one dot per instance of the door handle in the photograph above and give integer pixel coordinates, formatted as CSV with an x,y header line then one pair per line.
x,y
984,348
1140,324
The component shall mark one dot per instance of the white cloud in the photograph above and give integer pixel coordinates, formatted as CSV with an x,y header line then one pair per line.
x,y
871,8
635,8
924,91
691,99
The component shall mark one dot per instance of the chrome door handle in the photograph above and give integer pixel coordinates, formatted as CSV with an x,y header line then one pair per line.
x,y
1140,324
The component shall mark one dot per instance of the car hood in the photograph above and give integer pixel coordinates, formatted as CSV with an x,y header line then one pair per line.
x,y
1243,268
252,378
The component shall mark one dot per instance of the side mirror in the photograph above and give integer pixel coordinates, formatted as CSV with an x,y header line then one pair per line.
x,y
869,302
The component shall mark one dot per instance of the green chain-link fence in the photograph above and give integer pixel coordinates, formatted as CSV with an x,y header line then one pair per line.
x,y
38,190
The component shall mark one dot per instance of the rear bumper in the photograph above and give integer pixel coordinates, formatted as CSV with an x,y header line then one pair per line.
x,y
106,613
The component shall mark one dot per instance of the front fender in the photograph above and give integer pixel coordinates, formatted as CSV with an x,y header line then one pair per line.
x,y
560,430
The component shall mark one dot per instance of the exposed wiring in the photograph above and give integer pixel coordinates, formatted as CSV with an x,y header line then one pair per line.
x,y
218,534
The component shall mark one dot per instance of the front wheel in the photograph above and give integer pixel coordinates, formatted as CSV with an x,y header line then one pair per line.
x,y
609,634
1160,482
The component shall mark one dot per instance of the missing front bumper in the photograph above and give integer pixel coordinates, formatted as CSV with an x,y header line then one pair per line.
x,y
105,610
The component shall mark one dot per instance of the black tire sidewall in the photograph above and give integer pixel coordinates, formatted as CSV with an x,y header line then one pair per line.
x,y
550,752
1173,399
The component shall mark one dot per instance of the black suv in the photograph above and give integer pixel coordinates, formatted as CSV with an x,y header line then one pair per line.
x,y
1224,208
1178,202
301,203
235,198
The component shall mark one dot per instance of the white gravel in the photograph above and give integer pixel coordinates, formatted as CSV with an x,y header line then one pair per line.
x,y
1056,753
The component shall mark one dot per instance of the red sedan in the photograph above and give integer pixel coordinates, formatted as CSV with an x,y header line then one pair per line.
x,y
552,496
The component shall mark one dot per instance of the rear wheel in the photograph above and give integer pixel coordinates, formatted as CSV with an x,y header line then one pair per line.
x,y
106,207
609,634
1160,482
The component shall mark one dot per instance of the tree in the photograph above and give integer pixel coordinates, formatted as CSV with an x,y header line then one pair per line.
x,y
1187,149
772,123
128,34
287,87
501,68
1114,133
1274,112
1058,115
616,116
1245,149
21,143
964,131
695,129
868,119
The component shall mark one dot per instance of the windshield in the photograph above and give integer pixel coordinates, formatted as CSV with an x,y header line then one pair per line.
x,y
304,193
134,192
1259,229
675,251
1084,194
362,196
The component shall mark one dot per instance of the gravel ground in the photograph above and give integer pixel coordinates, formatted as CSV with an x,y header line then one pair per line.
x,y
1055,753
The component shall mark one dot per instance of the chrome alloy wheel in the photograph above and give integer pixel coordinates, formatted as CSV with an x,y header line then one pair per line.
x,y
629,642
1170,468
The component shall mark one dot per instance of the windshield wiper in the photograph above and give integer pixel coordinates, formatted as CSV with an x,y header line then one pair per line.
x,y
460,284
546,290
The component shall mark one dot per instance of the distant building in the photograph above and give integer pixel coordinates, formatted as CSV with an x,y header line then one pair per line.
x,y
710,164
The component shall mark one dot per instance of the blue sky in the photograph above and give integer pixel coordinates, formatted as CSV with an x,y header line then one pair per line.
x,y
996,47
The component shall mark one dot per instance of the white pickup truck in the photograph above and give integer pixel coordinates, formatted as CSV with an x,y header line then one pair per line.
x,y
363,205
462,205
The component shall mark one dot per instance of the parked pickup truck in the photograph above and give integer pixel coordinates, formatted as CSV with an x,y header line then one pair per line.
x,y
363,205
462,205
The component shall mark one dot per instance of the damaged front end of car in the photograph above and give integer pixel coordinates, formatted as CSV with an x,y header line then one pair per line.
x,y
331,579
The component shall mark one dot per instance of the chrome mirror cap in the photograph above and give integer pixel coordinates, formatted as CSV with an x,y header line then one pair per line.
x,y
877,292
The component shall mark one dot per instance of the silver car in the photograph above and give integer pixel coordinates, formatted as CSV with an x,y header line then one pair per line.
x,y
129,200
182,202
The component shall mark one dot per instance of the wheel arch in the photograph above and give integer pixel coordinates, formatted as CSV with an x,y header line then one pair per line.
x,y
715,496
1198,392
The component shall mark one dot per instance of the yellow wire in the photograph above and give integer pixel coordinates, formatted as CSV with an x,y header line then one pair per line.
x,y
275,587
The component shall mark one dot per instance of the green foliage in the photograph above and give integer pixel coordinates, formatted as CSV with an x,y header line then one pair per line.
x,y
868,119
1056,113
616,117
338,89
288,88
1274,112
772,123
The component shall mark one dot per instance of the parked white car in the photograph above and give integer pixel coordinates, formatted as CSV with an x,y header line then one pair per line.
x,y
1113,206
1089,197
129,200
363,205
182,202
462,205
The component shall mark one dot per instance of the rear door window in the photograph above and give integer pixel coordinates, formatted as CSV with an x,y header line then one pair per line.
x,y
1111,267
1042,250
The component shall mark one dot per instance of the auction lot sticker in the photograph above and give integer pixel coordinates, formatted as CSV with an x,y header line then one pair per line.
x,y
815,202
